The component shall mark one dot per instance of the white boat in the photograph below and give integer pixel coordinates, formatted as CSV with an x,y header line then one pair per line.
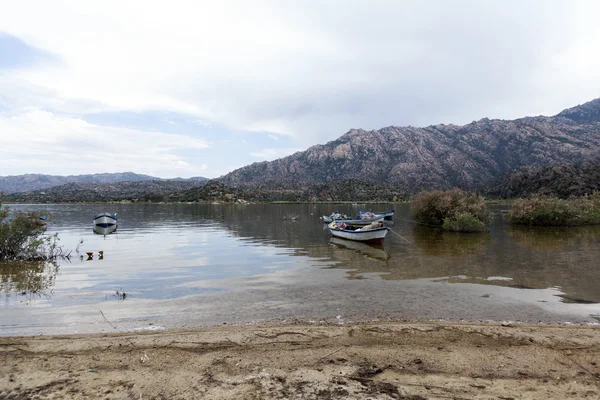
x,y
351,232
105,220
328,219
100,230
335,215
386,214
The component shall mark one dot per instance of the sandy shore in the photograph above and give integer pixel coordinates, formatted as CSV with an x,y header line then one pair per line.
x,y
355,361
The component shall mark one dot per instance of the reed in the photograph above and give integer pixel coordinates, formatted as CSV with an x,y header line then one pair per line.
x,y
552,211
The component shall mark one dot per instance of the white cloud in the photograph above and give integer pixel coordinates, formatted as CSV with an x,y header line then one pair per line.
x,y
41,141
312,69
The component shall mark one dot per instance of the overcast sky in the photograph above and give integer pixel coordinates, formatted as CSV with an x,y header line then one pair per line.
x,y
199,88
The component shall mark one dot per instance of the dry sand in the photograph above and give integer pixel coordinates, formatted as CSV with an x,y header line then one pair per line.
x,y
357,361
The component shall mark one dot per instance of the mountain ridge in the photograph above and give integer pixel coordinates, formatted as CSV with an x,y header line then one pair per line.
x,y
437,156
408,159
31,182
81,192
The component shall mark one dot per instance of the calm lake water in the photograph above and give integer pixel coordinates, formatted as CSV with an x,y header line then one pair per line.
x,y
194,265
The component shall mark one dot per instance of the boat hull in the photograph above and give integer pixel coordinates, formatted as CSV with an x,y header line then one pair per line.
x,y
105,220
354,221
369,236
386,214
101,230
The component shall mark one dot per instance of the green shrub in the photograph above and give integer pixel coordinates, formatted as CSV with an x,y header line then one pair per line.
x,y
552,211
453,210
463,222
22,237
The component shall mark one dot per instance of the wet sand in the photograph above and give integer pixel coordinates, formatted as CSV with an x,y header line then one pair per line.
x,y
389,360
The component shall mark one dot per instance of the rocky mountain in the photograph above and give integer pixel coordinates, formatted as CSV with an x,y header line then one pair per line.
x,y
561,181
105,192
438,156
30,182
583,113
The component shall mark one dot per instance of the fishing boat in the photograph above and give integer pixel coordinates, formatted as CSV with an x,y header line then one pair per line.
x,y
328,219
360,234
101,230
105,220
386,214
335,216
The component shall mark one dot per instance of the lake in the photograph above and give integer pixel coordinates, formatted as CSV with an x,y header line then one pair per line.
x,y
187,265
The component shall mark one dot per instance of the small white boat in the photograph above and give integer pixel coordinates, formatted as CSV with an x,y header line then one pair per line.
x,y
335,215
328,219
364,234
386,214
105,220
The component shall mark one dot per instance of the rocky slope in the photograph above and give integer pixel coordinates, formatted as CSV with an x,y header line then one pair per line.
x,y
561,181
438,156
103,192
30,182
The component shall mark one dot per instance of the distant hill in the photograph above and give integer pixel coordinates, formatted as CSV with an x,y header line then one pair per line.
x,y
206,192
30,182
439,156
105,192
561,181
339,191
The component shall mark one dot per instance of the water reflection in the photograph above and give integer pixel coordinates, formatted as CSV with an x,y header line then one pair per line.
x,y
565,259
373,251
554,238
29,279
167,251
435,242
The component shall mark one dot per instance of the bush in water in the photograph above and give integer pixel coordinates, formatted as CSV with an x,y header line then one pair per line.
x,y
454,210
22,237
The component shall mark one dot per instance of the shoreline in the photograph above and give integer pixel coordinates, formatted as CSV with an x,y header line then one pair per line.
x,y
213,202
383,360
508,201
